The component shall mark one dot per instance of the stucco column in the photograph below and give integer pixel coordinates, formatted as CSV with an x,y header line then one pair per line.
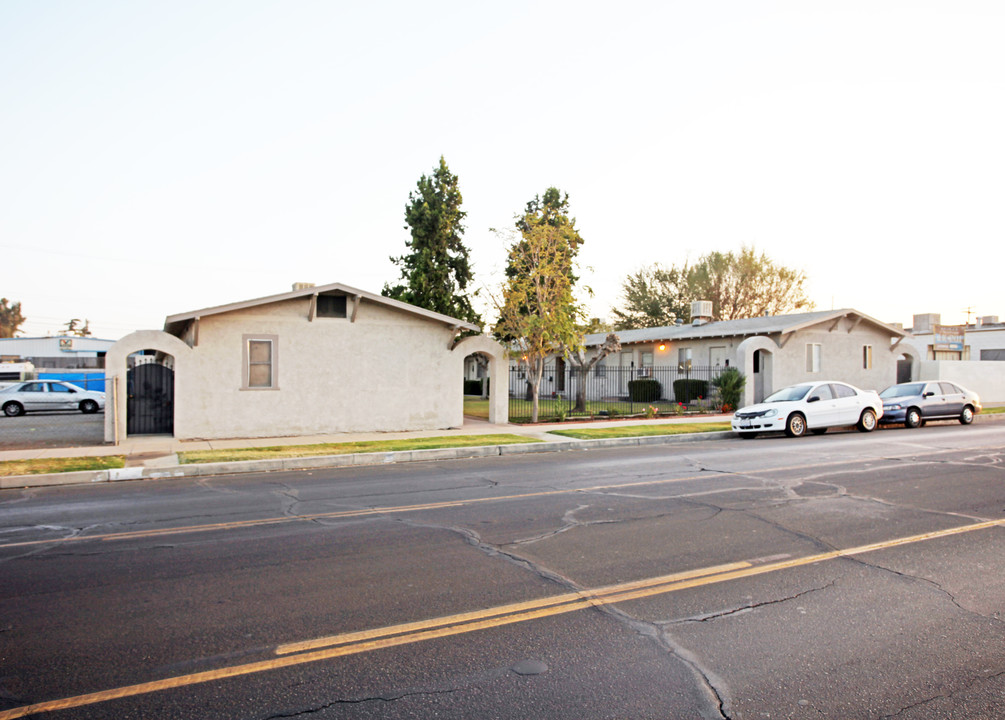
x,y
116,373
498,373
745,359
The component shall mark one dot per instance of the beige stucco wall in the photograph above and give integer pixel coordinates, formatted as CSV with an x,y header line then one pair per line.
x,y
388,370
841,355
986,378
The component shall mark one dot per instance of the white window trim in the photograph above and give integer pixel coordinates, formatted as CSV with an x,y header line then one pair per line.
x,y
814,357
246,361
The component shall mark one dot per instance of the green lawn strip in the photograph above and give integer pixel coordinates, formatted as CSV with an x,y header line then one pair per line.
x,y
45,466
993,410
348,448
641,430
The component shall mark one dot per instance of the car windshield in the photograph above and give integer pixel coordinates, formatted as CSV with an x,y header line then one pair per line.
x,y
896,391
788,394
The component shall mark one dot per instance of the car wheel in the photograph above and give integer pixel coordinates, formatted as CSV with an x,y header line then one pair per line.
x,y
913,418
795,426
88,406
13,409
867,423
818,431
967,416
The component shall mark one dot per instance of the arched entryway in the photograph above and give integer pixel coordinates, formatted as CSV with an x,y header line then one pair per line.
x,y
150,395
755,356
492,356
140,379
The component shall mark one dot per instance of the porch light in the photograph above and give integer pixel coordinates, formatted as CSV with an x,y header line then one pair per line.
x,y
663,347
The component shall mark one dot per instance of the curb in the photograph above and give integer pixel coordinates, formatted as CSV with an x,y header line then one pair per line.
x,y
90,477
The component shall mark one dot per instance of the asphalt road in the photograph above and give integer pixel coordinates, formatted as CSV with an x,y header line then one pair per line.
x,y
842,576
60,428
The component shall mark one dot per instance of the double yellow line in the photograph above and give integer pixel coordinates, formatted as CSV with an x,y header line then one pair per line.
x,y
334,646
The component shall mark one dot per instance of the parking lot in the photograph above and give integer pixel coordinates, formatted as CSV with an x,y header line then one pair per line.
x,y
68,428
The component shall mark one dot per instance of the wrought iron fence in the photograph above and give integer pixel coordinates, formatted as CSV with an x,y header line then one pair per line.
x,y
614,391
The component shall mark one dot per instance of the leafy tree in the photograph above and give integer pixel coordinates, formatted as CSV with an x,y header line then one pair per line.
x,y
552,209
741,285
538,313
746,285
11,318
436,271
654,296
74,328
577,357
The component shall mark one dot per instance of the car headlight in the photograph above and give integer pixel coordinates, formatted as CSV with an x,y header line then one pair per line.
x,y
770,413
893,407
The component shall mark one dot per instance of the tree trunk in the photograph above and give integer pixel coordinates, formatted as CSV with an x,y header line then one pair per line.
x,y
584,371
535,370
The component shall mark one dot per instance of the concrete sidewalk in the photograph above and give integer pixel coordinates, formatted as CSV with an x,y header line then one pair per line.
x,y
157,456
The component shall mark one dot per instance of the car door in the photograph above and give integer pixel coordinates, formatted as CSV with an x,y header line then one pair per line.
x,y
848,404
932,402
953,398
62,396
821,408
34,396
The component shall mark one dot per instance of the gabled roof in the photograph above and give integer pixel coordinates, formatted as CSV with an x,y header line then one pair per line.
x,y
746,327
175,324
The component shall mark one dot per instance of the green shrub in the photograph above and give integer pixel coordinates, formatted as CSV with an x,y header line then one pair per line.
x,y
688,389
644,390
472,387
730,384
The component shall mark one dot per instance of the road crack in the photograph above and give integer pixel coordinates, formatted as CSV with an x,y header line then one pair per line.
x,y
707,617
359,701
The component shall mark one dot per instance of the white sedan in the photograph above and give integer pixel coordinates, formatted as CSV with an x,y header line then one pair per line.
x,y
813,406
21,397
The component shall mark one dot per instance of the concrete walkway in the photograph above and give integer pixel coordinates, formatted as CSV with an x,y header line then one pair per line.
x,y
157,456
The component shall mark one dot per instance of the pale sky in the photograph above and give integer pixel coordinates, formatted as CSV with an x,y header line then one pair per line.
x,y
162,157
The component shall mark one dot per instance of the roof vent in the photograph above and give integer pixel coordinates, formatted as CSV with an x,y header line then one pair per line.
x,y
302,286
701,312
678,322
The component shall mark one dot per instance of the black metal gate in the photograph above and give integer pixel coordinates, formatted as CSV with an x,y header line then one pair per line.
x,y
150,403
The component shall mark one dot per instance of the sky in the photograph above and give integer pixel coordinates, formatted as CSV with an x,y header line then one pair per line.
x,y
163,157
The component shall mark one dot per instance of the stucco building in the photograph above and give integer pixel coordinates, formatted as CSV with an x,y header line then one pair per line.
x,y
324,359
771,351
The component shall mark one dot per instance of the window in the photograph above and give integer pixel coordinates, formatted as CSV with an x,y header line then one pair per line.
x,y
261,361
332,306
867,357
684,358
646,367
813,351
842,391
56,387
600,369
822,392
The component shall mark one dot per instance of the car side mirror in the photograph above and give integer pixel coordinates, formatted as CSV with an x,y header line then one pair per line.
x,y
928,394
815,398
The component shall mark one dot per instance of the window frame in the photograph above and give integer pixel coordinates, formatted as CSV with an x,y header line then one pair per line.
x,y
814,357
246,361
867,357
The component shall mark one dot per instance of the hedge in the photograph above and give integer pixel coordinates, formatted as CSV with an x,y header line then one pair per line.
x,y
644,390
688,389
